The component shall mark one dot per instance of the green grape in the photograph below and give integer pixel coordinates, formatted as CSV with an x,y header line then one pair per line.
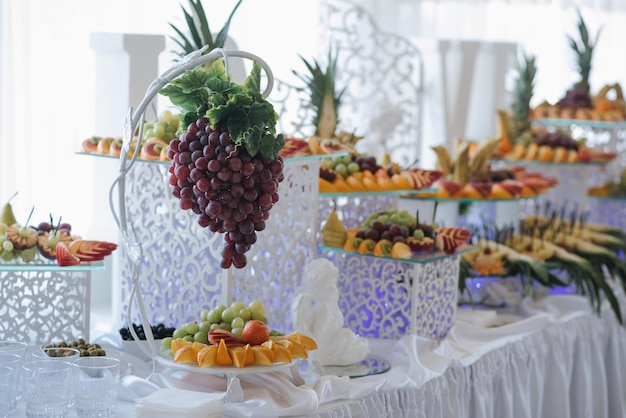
x,y
256,306
395,219
341,169
353,167
205,327
166,115
204,315
191,328
229,314
346,159
201,337
149,133
225,325
188,338
326,163
256,315
166,343
245,314
214,316
238,332
179,333
264,319
237,306
237,323
159,131
220,308
215,326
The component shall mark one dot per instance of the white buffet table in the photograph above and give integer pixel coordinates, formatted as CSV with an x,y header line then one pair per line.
x,y
561,360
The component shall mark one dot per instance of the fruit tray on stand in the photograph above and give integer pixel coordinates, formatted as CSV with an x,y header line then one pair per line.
x,y
501,211
383,297
351,207
46,302
573,180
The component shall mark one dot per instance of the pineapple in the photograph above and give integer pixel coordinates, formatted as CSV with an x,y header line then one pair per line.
x,y
324,96
523,90
578,96
199,31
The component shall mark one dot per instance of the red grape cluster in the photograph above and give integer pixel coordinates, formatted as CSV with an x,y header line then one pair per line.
x,y
230,190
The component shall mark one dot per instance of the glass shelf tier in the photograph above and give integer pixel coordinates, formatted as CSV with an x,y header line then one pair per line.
x,y
50,267
159,162
466,200
599,124
534,163
416,258
608,198
377,193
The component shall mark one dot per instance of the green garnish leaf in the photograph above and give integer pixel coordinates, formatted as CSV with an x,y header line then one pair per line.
x,y
253,142
250,119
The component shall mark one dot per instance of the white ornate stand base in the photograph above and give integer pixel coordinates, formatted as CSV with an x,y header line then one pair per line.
x,y
385,298
42,305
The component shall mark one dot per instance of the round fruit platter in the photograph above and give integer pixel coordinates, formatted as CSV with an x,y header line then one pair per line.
x,y
234,392
166,358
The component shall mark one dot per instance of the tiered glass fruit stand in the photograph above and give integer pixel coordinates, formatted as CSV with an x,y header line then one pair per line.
x,y
44,302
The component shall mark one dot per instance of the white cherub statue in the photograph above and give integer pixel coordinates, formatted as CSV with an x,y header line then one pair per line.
x,y
315,312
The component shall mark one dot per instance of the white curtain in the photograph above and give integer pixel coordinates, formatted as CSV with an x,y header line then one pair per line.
x,y
539,26
47,86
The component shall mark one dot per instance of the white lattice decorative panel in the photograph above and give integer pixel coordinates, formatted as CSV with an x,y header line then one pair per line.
x,y
180,270
180,273
277,259
608,212
383,298
44,306
352,210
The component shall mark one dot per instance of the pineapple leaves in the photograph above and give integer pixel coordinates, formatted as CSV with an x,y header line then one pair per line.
x,y
583,51
220,39
199,31
250,119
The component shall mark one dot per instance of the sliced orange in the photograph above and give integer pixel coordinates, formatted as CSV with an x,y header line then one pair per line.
x,y
401,182
386,184
401,250
238,356
371,184
326,187
207,356
178,343
185,354
355,184
222,358
340,184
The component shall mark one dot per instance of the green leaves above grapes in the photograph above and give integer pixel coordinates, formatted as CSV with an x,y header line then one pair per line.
x,y
249,118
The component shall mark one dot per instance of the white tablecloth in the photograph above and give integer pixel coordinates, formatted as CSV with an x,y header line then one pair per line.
x,y
559,360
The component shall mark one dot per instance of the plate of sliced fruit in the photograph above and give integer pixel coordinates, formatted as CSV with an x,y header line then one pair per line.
x,y
166,358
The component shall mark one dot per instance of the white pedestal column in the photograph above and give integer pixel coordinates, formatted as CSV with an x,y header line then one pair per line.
x,y
126,64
